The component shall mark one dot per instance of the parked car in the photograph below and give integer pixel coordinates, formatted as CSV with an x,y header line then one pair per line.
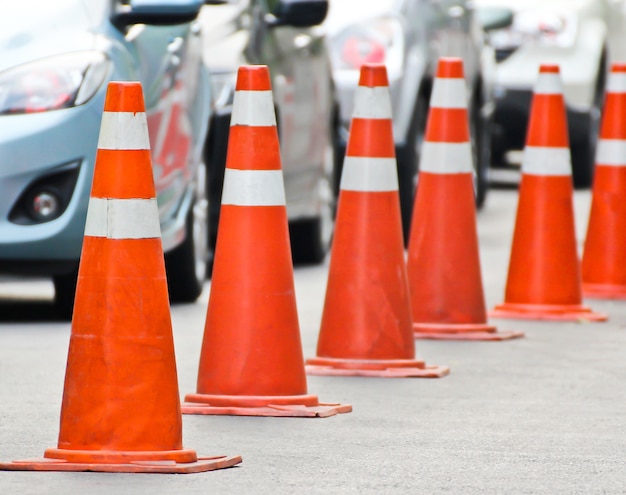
x,y
409,36
581,36
56,60
281,34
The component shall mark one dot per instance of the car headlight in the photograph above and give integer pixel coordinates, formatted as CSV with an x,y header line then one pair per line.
x,y
52,83
537,26
374,41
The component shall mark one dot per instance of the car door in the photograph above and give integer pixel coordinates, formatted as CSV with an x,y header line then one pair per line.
x,y
301,82
452,32
168,58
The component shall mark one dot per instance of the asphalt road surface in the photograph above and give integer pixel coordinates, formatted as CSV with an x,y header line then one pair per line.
x,y
543,414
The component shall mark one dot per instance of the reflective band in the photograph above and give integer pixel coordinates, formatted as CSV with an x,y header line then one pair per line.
x,y
611,152
253,108
372,103
369,174
548,83
539,160
123,218
124,131
616,82
253,188
446,158
448,93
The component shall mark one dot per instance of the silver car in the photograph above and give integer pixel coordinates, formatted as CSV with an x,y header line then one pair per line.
x,y
56,59
284,35
409,36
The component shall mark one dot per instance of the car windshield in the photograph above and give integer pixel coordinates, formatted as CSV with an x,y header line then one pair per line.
x,y
344,12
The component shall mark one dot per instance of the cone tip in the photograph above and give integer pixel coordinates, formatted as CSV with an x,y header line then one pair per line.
x,y
373,75
124,96
450,67
549,69
253,78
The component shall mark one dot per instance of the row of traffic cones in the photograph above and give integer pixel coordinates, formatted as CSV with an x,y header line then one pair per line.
x,y
546,280
121,409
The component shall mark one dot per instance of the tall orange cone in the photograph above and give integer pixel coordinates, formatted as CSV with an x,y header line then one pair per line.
x,y
366,324
544,280
443,261
251,361
604,256
121,406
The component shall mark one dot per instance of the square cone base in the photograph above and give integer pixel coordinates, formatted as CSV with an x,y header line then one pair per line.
x,y
604,291
201,465
295,406
440,331
384,368
547,312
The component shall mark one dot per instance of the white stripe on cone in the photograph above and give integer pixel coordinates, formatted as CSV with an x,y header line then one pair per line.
x,y
368,174
446,158
611,152
616,82
253,188
540,160
253,108
448,93
372,103
548,83
123,218
124,131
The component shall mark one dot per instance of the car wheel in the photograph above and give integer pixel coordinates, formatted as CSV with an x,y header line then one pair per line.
x,y
408,158
186,265
64,293
480,136
583,154
215,153
311,237
583,149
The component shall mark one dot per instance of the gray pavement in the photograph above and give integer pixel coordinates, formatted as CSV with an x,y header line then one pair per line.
x,y
544,414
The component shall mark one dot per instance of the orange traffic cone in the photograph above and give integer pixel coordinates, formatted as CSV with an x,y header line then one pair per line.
x,y
121,406
604,256
366,324
544,280
443,261
251,361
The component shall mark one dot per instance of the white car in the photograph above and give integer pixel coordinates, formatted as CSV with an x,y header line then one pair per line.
x,y
582,37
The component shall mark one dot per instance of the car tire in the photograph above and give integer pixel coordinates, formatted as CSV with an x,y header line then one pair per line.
x,y
583,149
215,157
408,160
65,293
480,134
310,238
583,158
186,265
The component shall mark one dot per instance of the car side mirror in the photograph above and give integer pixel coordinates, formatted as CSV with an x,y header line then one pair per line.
x,y
155,12
298,13
492,18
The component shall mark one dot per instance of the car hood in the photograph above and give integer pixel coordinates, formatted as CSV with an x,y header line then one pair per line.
x,y
35,29
516,5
